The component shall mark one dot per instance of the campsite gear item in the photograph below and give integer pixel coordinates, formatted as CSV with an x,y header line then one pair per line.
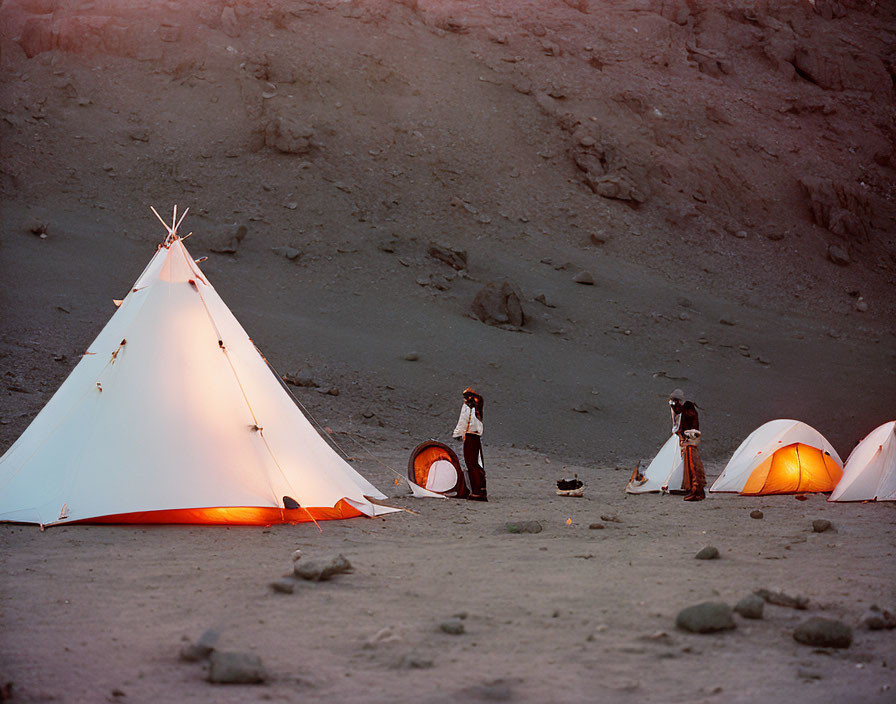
x,y
781,457
570,487
664,473
435,466
870,471
174,416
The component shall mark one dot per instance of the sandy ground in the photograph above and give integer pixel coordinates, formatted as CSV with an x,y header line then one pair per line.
x,y
723,171
571,614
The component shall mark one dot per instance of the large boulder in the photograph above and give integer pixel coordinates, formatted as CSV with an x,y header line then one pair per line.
x,y
499,303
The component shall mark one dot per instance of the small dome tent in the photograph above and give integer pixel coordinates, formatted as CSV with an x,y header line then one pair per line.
x,y
781,457
664,473
435,467
870,471
173,416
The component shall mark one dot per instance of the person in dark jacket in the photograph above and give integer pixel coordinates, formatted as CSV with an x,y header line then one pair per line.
x,y
686,425
469,428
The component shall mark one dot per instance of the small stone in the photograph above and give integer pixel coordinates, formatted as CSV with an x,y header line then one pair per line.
x,y
599,238
862,305
823,633
323,569
820,525
684,316
39,229
290,253
235,668
524,527
596,526
587,141
611,518
202,648
453,627
708,617
876,619
541,298
750,606
756,513
741,234
727,321
415,662
782,599
584,278
708,553
411,357
838,255
805,674
284,585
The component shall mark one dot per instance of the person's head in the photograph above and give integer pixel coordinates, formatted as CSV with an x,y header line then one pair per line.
x,y
676,398
473,400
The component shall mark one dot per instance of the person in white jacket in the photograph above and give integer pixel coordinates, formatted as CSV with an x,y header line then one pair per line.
x,y
469,428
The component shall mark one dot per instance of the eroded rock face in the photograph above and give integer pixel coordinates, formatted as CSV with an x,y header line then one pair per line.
x,y
83,34
838,207
842,70
606,171
499,303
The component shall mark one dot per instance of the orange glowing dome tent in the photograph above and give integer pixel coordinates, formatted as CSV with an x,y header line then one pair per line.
x,y
435,467
174,416
781,457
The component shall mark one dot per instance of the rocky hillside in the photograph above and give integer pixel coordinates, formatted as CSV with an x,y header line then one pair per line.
x,y
632,196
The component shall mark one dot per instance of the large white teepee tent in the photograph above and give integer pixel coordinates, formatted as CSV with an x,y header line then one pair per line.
x,y
870,471
173,416
664,473
781,457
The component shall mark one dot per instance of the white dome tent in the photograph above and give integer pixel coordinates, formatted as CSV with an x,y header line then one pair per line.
x,y
664,473
870,471
781,457
173,416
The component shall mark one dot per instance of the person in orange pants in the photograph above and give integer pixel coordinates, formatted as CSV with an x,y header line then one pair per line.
x,y
686,425
469,428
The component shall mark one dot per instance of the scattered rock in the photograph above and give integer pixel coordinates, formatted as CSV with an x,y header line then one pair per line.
x,y
290,253
804,674
756,513
455,258
288,136
611,518
411,357
838,255
823,633
708,617
584,277
228,241
285,585
323,569
453,627
782,599
499,304
877,619
727,321
598,239
708,553
300,380
541,298
861,305
820,525
596,526
202,648
524,527
235,668
415,662
750,606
